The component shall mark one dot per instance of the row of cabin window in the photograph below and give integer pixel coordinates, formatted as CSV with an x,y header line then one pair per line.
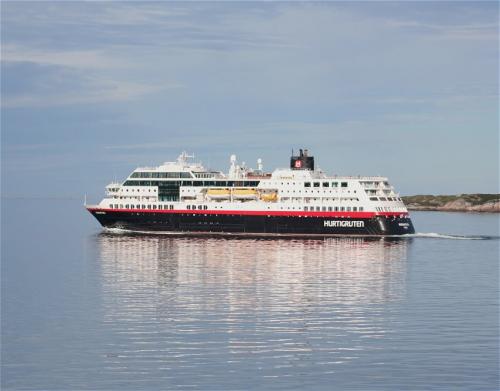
x,y
205,207
320,191
133,197
175,184
374,184
138,190
384,209
205,175
333,209
200,207
385,199
323,199
325,184
138,206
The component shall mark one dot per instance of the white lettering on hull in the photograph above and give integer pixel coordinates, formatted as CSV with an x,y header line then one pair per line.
x,y
344,223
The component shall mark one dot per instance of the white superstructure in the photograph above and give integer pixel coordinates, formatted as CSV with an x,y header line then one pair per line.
x,y
186,185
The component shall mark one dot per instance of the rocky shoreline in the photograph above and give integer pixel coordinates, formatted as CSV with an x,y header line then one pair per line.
x,y
488,203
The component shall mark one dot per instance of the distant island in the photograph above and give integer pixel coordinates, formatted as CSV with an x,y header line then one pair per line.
x,y
454,203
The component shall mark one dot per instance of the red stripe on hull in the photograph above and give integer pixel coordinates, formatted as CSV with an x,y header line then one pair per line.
x,y
363,215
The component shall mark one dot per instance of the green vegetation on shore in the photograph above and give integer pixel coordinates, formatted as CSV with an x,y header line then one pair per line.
x,y
461,202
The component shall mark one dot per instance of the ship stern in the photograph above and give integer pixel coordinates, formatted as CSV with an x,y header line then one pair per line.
x,y
396,225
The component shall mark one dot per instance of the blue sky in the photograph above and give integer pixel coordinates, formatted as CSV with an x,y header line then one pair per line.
x,y
91,90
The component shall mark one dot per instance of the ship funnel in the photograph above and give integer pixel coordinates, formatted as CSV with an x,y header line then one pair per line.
x,y
302,161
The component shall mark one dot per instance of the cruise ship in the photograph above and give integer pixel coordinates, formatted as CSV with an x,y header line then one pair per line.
x,y
184,198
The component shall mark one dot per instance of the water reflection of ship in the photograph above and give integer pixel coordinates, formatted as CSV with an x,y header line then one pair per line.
x,y
179,303
255,273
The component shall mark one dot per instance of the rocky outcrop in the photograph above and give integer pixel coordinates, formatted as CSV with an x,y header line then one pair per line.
x,y
455,203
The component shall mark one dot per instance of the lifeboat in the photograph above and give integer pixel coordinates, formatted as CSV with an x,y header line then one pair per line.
x,y
269,197
245,194
219,194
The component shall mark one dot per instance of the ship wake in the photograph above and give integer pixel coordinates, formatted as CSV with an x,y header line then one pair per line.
x,y
435,235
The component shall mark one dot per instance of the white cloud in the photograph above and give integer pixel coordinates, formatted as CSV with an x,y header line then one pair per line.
x,y
86,59
479,31
140,14
294,55
95,91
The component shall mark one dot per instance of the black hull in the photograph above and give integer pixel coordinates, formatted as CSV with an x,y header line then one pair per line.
x,y
253,225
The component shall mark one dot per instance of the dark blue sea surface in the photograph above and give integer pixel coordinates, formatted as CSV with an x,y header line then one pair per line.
x,y
87,309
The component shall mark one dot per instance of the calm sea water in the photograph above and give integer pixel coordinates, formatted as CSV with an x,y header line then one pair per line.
x,y
83,309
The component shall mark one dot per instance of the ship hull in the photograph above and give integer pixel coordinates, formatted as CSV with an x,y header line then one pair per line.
x,y
263,224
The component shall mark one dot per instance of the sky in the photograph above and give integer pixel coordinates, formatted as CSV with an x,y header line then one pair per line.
x,y
92,90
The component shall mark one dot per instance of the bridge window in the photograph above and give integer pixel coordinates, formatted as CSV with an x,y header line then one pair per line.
x,y
163,175
343,184
174,175
316,184
307,184
335,184
326,184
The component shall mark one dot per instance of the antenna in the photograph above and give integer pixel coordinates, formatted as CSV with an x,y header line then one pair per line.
x,y
233,168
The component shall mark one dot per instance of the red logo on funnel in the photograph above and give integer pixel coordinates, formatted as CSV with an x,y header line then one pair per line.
x,y
298,164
